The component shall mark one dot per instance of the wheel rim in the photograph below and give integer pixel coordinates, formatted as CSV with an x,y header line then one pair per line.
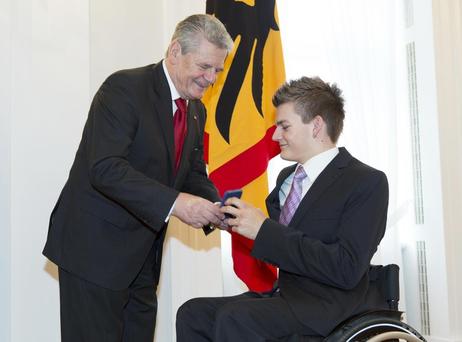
x,y
397,329
390,335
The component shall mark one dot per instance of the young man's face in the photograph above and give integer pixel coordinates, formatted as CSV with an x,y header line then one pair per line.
x,y
295,138
195,71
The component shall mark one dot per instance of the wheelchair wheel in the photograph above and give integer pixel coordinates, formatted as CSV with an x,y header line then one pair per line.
x,y
385,330
394,336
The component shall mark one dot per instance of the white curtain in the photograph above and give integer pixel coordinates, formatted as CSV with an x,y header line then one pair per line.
x,y
357,44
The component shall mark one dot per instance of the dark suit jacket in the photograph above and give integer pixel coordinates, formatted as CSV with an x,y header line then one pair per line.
x,y
122,183
324,254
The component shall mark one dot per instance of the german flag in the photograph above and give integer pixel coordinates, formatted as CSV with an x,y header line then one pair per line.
x,y
240,117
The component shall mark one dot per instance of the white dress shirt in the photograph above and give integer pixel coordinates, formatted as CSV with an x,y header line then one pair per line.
x,y
313,167
174,93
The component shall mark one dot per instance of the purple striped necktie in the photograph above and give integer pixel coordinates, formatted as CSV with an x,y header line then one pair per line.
x,y
294,197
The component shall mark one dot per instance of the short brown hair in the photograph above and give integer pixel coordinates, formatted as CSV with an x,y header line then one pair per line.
x,y
312,97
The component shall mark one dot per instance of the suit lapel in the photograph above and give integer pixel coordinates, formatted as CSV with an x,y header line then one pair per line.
x,y
272,202
332,171
162,106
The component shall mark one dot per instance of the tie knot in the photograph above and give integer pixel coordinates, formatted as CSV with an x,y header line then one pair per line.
x,y
300,173
181,104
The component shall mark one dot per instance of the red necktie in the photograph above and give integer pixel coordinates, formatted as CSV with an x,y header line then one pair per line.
x,y
179,129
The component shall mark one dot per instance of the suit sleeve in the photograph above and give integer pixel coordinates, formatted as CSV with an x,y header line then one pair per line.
x,y
114,120
344,260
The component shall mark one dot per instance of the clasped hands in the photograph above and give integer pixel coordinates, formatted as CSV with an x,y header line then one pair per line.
x,y
196,211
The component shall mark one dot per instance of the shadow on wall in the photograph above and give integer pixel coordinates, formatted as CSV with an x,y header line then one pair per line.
x,y
192,237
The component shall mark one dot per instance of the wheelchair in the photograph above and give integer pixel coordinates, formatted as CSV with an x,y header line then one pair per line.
x,y
373,326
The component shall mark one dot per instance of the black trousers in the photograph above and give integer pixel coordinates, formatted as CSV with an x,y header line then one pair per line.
x,y
90,313
246,317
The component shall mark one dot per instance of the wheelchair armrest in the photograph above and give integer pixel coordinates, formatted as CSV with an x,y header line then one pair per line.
x,y
387,280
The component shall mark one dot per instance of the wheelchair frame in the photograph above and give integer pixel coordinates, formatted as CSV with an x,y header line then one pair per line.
x,y
380,325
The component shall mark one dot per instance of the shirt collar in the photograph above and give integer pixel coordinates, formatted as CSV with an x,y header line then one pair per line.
x,y
173,92
314,166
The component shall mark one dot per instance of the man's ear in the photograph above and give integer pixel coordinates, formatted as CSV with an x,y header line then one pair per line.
x,y
174,51
318,124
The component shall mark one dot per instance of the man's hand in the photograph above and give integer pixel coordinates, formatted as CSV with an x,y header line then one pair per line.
x,y
197,211
247,219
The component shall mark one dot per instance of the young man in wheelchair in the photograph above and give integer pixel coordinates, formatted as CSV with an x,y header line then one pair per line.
x,y
327,215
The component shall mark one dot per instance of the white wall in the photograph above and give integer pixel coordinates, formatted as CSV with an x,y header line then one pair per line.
x,y
49,97
5,164
56,56
447,25
124,35
432,230
437,33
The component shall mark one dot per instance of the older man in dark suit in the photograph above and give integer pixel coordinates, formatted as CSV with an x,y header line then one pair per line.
x,y
139,162
327,216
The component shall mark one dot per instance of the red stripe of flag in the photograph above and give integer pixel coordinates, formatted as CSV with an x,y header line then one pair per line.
x,y
258,156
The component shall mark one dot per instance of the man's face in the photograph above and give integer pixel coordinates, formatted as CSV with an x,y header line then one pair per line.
x,y
295,138
195,71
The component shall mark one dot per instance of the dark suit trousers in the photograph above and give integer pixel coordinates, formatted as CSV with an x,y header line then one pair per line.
x,y
246,317
90,313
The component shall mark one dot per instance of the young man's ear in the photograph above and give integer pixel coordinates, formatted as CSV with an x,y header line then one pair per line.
x,y
318,123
